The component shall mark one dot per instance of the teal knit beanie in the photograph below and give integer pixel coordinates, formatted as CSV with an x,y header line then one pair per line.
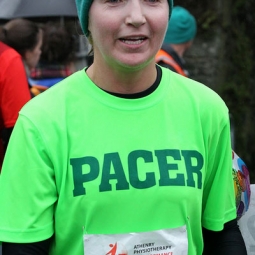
x,y
182,26
83,7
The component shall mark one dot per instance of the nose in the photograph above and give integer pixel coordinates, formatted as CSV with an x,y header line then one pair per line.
x,y
135,15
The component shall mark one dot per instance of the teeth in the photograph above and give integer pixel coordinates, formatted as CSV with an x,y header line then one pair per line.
x,y
133,40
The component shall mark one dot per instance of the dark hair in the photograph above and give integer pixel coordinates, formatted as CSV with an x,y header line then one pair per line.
x,y
58,44
20,34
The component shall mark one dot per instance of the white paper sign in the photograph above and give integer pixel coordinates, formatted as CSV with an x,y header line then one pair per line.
x,y
247,224
166,242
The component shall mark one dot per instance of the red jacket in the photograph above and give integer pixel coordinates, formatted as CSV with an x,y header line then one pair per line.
x,y
14,90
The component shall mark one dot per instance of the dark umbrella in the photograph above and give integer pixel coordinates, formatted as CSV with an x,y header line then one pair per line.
x,y
10,9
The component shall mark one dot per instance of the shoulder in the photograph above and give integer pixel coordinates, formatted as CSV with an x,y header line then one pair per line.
x,y
8,56
8,52
189,88
195,96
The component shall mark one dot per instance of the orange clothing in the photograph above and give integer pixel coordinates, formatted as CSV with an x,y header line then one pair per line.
x,y
163,56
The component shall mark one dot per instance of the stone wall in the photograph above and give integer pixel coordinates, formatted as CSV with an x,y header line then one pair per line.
x,y
201,60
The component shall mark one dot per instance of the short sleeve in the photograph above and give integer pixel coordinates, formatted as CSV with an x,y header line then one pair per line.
x,y
28,179
219,197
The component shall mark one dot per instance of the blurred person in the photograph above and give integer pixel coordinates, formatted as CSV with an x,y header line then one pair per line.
x,y
127,155
57,58
14,92
181,31
25,37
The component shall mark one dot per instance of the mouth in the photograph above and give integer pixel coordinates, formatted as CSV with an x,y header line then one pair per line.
x,y
133,40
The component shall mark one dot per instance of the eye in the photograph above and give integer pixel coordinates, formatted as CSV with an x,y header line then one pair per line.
x,y
153,1
113,2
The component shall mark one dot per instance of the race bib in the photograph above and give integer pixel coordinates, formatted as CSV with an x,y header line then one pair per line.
x,y
161,242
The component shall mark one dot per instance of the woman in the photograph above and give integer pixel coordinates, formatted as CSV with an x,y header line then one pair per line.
x,y
19,48
127,157
57,58
25,37
14,93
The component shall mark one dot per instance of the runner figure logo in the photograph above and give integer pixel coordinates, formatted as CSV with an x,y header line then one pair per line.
x,y
114,250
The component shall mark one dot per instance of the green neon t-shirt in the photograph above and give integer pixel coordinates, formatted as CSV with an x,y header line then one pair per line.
x,y
82,160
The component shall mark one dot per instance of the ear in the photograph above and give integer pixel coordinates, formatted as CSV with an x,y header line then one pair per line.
x,y
189,44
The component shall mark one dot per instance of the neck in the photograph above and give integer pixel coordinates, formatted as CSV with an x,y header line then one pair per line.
x,y
179,49
26,68
122,80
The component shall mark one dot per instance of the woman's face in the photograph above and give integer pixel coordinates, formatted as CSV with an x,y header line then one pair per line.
x,y
127,32
31,57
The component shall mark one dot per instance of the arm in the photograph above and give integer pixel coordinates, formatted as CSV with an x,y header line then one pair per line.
x,y
5,135
221,233
229,241
38,248
32,165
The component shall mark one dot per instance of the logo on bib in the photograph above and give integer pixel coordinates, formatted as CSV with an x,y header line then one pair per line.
x,y
159,242
116,250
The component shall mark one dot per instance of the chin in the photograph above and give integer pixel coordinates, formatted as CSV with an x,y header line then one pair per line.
x,y
134,63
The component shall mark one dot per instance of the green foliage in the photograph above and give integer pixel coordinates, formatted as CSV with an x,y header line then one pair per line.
x,y
207,19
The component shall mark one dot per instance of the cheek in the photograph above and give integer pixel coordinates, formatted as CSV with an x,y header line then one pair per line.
x,y
102,36
161,26
160,30
102,26
99,29
34,58
39,53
